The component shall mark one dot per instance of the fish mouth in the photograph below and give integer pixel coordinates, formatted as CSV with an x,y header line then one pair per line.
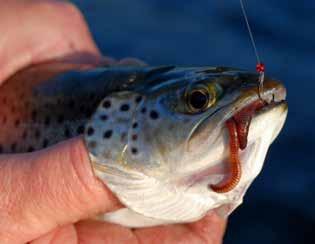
x,y
241,120
273,93
238,127
245,116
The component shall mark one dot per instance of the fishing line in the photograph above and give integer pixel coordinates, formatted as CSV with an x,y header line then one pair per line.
x,y
260,67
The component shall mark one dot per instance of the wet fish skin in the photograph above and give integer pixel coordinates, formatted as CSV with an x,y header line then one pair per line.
x,y
48,103
146,140
45,104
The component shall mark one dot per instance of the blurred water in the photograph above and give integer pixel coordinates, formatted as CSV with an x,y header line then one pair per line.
x,y
280,206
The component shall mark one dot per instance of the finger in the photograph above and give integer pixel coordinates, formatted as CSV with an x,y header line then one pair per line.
x,y
49,188
101,232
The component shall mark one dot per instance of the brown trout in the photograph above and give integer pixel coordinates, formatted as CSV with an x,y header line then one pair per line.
x,y
171,142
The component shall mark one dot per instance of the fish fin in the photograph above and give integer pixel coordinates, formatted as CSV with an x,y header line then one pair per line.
x,y
152,198
131,219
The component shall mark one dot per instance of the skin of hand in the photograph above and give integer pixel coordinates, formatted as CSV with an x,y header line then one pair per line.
x,y
46,196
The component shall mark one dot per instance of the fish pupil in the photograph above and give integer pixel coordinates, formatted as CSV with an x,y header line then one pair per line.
x,y
198,100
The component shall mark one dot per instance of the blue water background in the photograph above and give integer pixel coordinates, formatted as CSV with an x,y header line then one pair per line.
x,y
280,205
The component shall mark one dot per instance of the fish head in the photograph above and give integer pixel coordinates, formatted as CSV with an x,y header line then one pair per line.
x,y
167,140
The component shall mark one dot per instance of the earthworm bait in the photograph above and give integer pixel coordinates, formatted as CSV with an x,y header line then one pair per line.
x,y
238,128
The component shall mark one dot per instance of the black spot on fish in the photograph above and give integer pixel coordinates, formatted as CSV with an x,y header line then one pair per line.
x,y
135,125
154,115
91,96
30,149
138,99
80,129
144,110
134,150
1,149
17,123
90,131
104,117
134,137
61,119
47,121
34,115
124,107
108,134
107,104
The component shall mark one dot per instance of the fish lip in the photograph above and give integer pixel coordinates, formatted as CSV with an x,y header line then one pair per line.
x,y
273,94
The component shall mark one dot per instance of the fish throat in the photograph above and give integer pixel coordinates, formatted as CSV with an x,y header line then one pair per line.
x,y
238,128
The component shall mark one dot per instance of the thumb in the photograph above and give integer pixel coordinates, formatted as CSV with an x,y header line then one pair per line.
x,y
42,190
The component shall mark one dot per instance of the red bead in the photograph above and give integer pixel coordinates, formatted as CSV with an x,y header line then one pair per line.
x,y
260,67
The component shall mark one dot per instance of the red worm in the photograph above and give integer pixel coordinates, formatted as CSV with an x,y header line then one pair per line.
x,y
243,119
238,128
234,161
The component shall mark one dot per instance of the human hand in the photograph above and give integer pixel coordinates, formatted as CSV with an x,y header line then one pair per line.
x,y
46,195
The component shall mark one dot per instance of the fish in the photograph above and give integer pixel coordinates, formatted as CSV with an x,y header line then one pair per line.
x,y
172,143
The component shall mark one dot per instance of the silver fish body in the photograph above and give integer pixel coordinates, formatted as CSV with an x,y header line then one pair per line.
x,y
155,135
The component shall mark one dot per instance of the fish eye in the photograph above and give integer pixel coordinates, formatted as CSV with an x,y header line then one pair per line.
x,y
200,98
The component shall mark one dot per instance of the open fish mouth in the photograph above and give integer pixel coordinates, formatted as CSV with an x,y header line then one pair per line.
x,y
250,106
243,124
